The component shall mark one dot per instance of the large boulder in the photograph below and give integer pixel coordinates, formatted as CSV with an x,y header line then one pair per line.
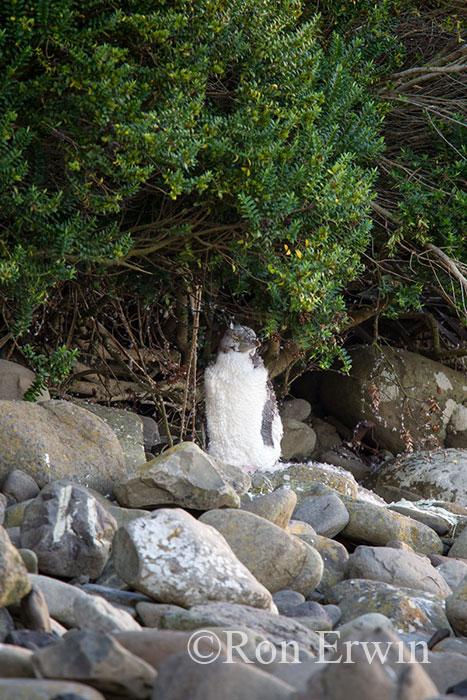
x,y
15,380
59,440
410,398
440,474
69,530
127,426
14,579
186,476
174,558
274,557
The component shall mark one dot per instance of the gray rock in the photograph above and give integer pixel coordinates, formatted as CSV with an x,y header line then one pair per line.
x,y
276,506
29,558
368,680
3,507
368,621
27,689
15,380
311,573
342,457
444,668
396,567
459,548
19,486
286,600
59,440
123,516
377,525
6,624
97,660
327,436
60,598
390,387
127,426
171,555
97,614
298,440
408,609
70,532
440,525
456,608
125,599
297,409
276,628
14,514
325,513
427,475
453,572
273,556
333,554
14,580
15,662
180,677
34,611
312,615
151,614
14,535
186,476
302,478
151,436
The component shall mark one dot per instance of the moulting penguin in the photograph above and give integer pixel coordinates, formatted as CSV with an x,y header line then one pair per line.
x,y
243,422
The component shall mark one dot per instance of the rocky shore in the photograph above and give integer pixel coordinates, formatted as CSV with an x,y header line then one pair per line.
x,y
182,577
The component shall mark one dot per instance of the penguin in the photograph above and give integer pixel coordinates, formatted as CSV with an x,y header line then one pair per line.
x,y
243,423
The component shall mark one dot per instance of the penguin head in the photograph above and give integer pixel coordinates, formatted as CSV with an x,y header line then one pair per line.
x,y
239,339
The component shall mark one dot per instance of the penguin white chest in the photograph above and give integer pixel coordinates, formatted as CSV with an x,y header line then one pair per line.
x,y
236,394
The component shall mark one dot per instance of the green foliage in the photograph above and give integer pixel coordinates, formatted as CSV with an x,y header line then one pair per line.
x,y
52,369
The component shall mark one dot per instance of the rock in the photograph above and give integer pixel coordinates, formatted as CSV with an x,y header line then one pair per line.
x,y
368,621
396,567
15,662
408,609
97,660
287,600
186,476
125,599
327,437
276,506
171,555
312,615
6,624
342,457
456,430
60,598
126,515
444,668
3,507
377,526
32,640
68,529
458,645
151,435
367,680
127,426
30,559
15,380
456,608
181,677
154,646
442,526
272,555
14,535
14,514
19,486
391,387
24,689
298,441
302,479
296,409
151,614
97,614
325,513
59,440
453,572
276,628
459,548
34,611
333,554
435,475
310,574
14,580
